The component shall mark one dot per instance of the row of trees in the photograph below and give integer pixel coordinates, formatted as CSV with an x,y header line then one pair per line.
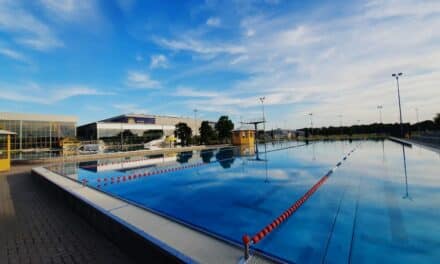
x,y
390,129
220,133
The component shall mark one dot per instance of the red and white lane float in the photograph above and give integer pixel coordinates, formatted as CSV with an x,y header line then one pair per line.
x,y
139,175
248,240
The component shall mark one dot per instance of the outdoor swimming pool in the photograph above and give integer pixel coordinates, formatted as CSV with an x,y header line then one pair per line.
x,y
381,205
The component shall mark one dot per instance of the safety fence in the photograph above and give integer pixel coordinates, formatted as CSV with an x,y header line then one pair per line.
x,y
138,161
248,240
294,146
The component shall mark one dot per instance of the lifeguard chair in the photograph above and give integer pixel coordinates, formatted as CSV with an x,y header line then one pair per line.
x,y
5,150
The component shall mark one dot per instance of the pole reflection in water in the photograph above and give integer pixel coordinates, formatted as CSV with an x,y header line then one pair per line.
x,y
406,196
265,162
258,158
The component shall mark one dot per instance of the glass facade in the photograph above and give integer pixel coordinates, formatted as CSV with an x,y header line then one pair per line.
x,y
3,146
117,136
132,120
128,136
37,134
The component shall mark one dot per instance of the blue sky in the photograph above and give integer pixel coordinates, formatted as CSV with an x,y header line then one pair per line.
x,y
96,59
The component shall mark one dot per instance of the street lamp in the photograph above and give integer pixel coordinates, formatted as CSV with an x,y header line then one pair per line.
x,y
380,118
397,75
380,112
417,118
264,118
195,122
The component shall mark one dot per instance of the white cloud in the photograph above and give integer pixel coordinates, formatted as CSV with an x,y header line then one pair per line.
x,y
191,92
130,108
25,28
250,32
13,54
158,61
141,80
196,46
213,22
239,59
34,93
300,35
383,9
332,66
71,10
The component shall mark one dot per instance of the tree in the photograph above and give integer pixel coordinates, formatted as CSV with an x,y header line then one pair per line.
x,y
224,128
150,135
225,157
207,134
184,157
206,155
437,120
183,132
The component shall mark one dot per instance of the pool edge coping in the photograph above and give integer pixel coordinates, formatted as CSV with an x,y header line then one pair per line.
x,y
69,186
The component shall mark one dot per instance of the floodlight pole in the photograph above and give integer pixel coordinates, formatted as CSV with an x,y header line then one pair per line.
x,y
264,118
195,122
340,123
380,117
396,75
380,112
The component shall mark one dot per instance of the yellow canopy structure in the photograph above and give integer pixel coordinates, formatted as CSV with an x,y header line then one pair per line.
x,y
5,150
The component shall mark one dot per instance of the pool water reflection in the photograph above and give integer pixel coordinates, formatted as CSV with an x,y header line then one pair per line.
x,y
381,205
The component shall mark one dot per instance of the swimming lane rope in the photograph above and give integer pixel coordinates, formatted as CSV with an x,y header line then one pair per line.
x,y
248,240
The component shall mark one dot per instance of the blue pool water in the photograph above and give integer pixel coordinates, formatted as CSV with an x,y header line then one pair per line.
x,y
373,208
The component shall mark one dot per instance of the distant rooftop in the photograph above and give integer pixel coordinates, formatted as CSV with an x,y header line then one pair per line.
x,y
37,117
134,115
244,127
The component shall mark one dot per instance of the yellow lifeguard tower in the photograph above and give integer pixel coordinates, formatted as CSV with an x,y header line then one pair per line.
x,y
5,150
243,136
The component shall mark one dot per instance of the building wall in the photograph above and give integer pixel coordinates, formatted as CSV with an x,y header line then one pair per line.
x,y
135,126
131,133
123,133
37,131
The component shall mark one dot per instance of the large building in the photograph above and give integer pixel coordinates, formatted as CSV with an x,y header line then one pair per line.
x,y
37,132
133,128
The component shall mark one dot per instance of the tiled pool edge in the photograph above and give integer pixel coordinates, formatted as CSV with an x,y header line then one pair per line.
x,y
132,239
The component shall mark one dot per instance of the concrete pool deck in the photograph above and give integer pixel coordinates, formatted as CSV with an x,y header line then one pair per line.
x,y
173,241
36,228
